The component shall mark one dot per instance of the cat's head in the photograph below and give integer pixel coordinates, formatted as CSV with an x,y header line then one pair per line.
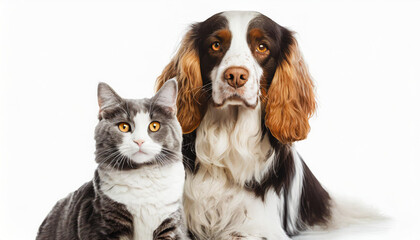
x,y
132,133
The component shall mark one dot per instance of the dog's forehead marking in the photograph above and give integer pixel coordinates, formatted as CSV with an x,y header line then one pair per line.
x,y
238,22
238,53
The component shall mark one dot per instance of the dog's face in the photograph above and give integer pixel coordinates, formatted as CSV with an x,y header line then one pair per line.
x,y
241,58
238,50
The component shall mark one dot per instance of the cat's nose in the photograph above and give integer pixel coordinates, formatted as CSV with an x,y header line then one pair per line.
x,y
139,142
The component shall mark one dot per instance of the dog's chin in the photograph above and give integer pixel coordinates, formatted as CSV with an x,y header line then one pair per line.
x,y
235,100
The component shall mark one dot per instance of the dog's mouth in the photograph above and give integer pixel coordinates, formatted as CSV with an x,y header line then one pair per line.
x,y
235,100
226,95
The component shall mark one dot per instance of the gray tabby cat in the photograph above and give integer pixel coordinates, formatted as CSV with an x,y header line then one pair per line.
x,y
137,189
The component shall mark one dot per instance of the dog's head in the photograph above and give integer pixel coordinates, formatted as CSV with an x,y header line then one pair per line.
x,y
240,58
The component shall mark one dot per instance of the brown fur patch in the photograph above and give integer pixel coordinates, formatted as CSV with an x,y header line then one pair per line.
x,y
185,66
290,99
255,38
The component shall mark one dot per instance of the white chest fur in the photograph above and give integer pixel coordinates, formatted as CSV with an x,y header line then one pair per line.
x,y
216,209
150,193
231,139
231,151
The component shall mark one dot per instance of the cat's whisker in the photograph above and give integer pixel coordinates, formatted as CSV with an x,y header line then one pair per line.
x,y
105,160
108,151
161,160
173,155
138,183
119,162
121,159
182,156
113,155
131,164
168,151
115,161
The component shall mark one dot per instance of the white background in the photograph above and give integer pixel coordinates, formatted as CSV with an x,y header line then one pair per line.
x,y
363,55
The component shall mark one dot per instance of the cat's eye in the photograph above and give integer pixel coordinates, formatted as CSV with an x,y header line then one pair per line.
x,y
215,46
124,127
154,126
262,48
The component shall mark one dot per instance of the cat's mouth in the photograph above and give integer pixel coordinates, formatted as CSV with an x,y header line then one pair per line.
x,y
140,152
141,156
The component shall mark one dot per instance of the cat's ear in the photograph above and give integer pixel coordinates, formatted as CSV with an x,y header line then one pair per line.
x,y
107,97
166,96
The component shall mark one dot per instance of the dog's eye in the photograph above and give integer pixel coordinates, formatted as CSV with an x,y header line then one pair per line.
x,y
262,48
215,46
124,127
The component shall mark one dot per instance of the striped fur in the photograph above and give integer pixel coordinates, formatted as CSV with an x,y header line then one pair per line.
x,y
137,189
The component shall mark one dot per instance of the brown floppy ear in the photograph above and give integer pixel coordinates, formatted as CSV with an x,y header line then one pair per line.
x,y
185,67
290,100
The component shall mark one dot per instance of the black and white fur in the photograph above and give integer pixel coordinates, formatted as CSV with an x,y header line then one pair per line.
x,y
242,182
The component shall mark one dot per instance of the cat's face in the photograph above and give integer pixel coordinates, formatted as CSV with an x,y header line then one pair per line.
x,y
132,133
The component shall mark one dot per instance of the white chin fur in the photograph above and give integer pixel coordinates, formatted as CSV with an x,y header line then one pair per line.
x,y
142,157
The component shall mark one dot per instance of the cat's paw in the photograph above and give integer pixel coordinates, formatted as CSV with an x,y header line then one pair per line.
x,y
167,236
244,236
173,234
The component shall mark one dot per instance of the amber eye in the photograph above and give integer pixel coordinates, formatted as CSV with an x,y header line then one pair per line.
x,y
215,46
262,48
154,126
124,127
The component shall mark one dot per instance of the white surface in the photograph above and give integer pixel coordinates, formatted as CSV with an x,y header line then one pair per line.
x,y
364,56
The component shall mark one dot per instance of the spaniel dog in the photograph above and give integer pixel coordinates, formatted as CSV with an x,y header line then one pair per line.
x,y
245,95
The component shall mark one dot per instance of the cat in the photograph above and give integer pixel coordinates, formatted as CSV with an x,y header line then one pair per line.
x,y
136,192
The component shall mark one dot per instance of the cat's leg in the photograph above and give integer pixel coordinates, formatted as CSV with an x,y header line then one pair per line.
x,y
172,228
244,236
170,232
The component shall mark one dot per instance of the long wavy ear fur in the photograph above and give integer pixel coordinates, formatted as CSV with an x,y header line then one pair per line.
x,y
290,99
185,67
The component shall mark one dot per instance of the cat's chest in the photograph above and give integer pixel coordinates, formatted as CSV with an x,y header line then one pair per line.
x,y
150,194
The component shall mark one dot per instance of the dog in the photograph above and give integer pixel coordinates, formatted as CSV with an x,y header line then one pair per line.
x,y
245,96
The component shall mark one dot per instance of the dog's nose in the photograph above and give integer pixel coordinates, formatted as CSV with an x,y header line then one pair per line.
x,y
236,77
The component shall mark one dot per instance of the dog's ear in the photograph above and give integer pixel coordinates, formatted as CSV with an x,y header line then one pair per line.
x,y
290,99
185,68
